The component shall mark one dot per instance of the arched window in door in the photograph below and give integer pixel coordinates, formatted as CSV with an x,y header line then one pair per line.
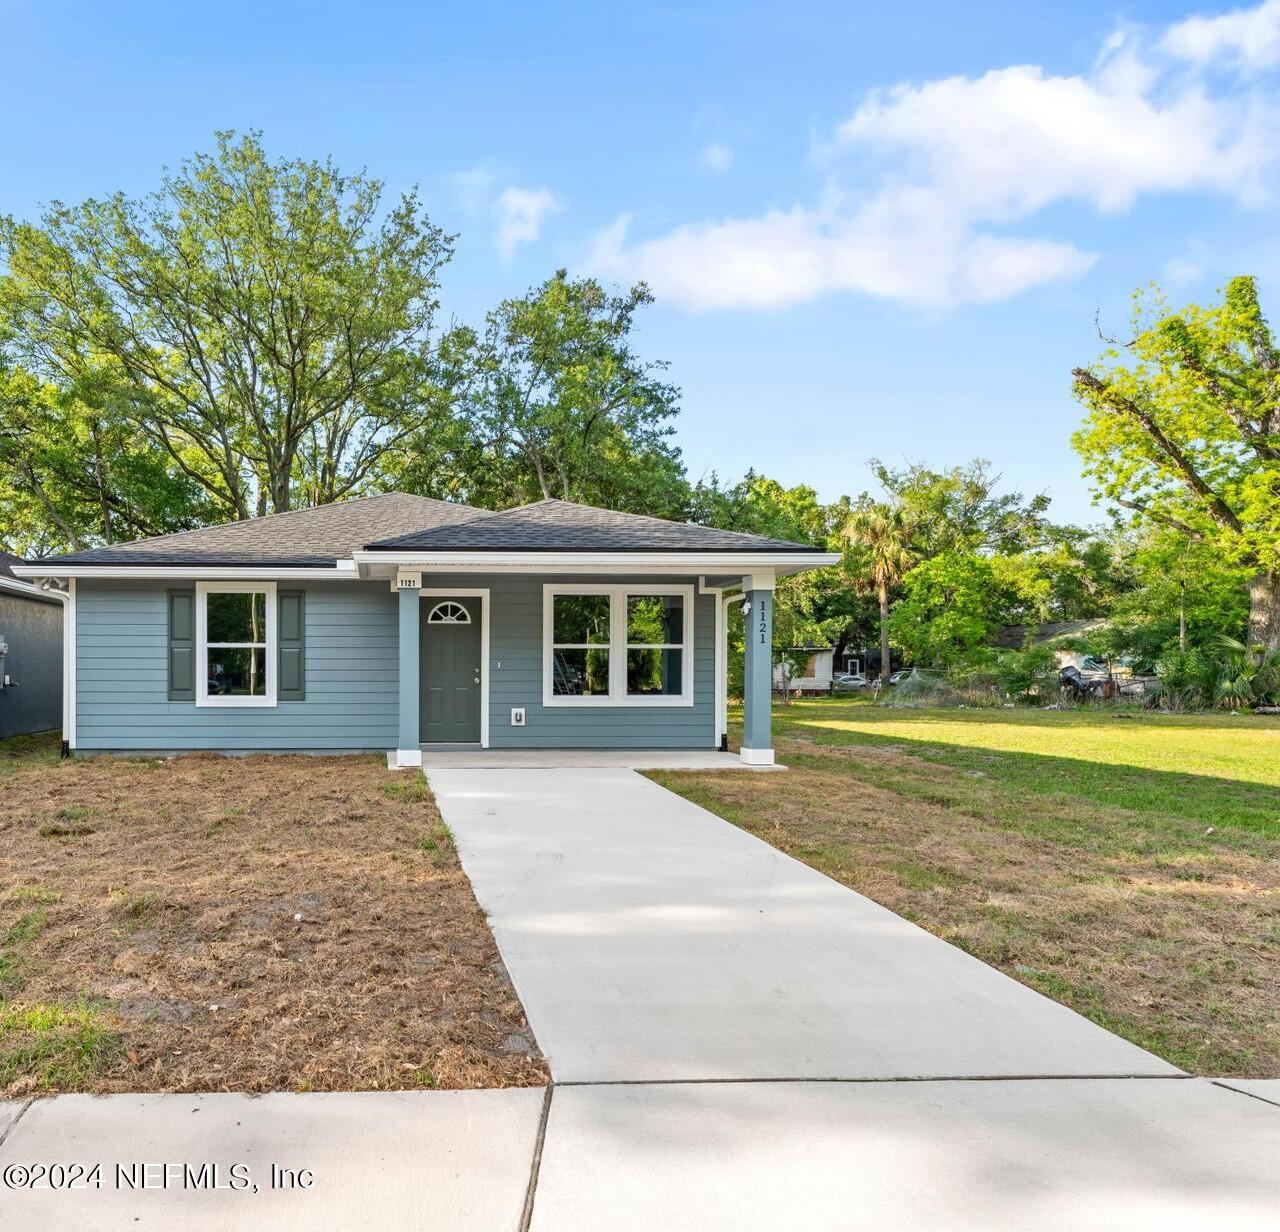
x,y
449,613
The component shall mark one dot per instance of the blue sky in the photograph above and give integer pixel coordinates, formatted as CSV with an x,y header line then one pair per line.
x,y
874,230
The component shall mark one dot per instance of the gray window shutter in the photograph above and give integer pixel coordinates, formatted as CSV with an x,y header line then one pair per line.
x,y
291,630
182,645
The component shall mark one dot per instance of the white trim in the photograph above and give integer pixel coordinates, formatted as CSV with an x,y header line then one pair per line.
x,y
27,589
756,757
203,590
344,572
617,647
760,580
687,563
481,593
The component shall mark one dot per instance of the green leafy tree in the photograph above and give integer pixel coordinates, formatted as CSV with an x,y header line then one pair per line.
x,y
881,536
269,322
1182,595
73,471
1184,431
959,509
559,404
953,605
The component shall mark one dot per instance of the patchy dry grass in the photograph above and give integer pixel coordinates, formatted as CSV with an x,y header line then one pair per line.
x,y
270,923
1153,924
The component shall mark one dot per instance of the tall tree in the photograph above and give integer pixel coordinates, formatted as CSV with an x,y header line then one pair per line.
x,y
881,535
1184,430
74,472
561,405
270,322
960,510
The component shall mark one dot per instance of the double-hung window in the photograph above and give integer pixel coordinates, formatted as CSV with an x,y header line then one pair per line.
x,y
617,645
236,644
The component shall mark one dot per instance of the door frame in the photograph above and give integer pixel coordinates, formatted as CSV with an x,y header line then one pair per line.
x,y
463,592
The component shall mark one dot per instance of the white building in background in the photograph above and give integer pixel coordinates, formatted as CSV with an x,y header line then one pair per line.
x,y
804,669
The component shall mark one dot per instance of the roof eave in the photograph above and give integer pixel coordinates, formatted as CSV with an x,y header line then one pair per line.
x,y
341,570
382,561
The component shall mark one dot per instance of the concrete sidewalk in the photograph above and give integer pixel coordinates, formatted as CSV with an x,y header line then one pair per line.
x,y
1001,1155
407,1161
1075,1155
650,940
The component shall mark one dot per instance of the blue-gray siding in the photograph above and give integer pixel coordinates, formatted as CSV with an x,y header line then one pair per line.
x,y
352,699
33,630
122,681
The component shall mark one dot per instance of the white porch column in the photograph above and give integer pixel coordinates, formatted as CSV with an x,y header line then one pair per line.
x,y
757,719
408,747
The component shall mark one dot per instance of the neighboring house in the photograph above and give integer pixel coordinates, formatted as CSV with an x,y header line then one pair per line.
x,y
396,621
1053,635
30,654
805,669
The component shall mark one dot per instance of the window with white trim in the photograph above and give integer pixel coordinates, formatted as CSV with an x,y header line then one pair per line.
x,y
617,645
236,647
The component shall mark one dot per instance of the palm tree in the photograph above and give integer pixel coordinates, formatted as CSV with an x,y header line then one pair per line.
x,y
883,534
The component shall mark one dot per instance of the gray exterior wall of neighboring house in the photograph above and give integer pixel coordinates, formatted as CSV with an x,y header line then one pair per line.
x,y
33,630
352,676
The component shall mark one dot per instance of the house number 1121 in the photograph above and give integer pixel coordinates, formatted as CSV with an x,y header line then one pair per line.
x,y
764,624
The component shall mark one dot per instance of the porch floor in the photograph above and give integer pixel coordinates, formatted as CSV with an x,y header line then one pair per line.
x,y
475,758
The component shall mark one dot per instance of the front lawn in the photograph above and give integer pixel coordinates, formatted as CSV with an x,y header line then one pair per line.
x,y
254,924
1126,866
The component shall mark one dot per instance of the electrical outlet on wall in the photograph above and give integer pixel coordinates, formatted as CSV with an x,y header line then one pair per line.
x,y
517,716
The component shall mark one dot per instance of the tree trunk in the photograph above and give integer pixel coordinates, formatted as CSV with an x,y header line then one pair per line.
x,y
1264,611
885,670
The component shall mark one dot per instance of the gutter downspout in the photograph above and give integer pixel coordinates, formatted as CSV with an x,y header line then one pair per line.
x,y
68,598
722,601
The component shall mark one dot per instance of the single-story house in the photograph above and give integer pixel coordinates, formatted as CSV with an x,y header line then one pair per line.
x,y
30,654
396,621
804,669
1059,636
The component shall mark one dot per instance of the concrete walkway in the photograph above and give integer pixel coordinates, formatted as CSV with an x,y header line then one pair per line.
x,y
650,940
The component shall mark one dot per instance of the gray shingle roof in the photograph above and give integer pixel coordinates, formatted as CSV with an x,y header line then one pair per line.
x,y
7,559
303,537
561,526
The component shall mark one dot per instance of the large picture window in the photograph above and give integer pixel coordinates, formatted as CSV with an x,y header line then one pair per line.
x,y
236,646
617,645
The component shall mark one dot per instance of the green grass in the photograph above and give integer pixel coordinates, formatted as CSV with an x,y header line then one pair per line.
x,y
1216,770
56,1047
13,947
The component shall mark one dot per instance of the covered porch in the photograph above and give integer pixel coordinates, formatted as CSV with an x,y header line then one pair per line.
x,y
478,681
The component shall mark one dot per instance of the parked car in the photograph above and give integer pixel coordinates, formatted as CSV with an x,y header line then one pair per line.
x,y
849,680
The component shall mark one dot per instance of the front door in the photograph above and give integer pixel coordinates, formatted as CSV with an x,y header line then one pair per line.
x,y
450,686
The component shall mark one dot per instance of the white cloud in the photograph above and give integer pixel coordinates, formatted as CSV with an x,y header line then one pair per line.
x,y
1008,143
942,171
717,158
891,250
521,213
1248,37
